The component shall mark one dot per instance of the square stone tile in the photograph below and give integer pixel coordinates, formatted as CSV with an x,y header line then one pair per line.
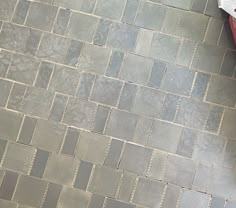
x,y
97,201
121,124
182,4
85,111
69,4
148,102
106,91
65,164
5,87
150,16
228,124
30,191
123,36
178,80
148,193
7,9
41,16
10,123
53,47
165,136
23,69
78,27
72,197
135,159
157,165
105,181
136,69
180,171
19,157
193,199
112,203
187,27
164,47
111,9
192,113
48,135
92,147
64,80
94,59
208,149
208,58
13,37
222,91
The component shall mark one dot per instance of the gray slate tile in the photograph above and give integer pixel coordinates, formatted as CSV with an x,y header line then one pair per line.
x,y
73,53
157,74
165,136
32,42
64,80
179,171
198,6
111,9
103,28
8,204
150,16
84,118
5,87
7,9
226,39
121,124
222,91
78,27
112,203
21,11
148,192
3,144
136,69
71,140
92,147
88,6
228,127
164,47
41,16
5,59
182,4
171,196
214,118
115,63
105,181
213,10
229,63
94,59
122,36
44,74
69,4
148,102
135,159
52,196
101,118
106,91
130,11
96,201
62,21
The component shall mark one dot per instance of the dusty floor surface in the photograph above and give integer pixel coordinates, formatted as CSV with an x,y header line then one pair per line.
x,y
116,104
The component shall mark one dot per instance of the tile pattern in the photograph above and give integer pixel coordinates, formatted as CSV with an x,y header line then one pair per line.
x,y
116,103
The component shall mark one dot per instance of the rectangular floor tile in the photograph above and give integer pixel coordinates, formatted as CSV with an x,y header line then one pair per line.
x,y
103,28
101,118
52,196
21,11
44,74
130,11
62,21
115,63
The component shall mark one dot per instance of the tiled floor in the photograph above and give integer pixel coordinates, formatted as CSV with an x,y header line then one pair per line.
x,y
116,104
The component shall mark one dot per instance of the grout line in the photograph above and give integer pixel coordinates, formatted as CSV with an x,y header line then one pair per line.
x,y
134,189
91,176
26,17
163,195
221,31
119,185
15,7
44,196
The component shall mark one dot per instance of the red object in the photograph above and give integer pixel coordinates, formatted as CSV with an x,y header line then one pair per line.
x,y
232,22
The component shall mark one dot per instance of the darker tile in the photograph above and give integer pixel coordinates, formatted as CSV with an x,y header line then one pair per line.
x,y
171,196
127,96
21,11
58,107
32,42
85,85
121,124
217,203
8,185
45,72
200,85
41,16
73,53
186,143
71,141
213,10
3,145
88,6
5,59
102,32
106,90
115,64
62,21
52,196
170,106
114,153
130,11
158,71
228,128
135,159
96,200
27,130
229,63
113,203
123,36
199,6
39,164
226,38
83,175
5,87
214,118
101,118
